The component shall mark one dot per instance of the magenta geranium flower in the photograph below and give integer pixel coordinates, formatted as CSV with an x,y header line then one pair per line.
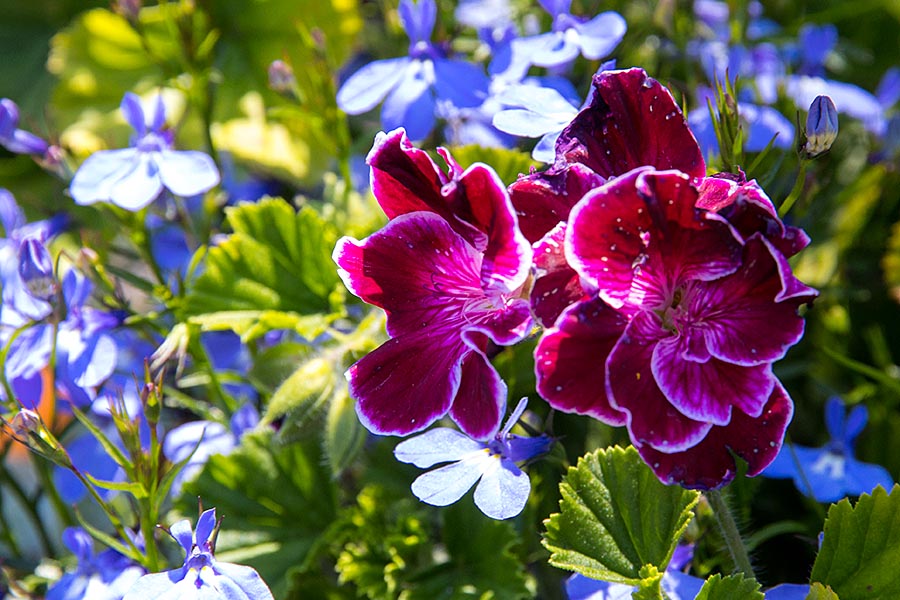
x,y
448,270
682,322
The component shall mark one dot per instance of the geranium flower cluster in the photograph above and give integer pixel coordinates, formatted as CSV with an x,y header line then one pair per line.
x,y
665,294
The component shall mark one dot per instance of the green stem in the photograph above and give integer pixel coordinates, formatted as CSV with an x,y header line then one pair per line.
x,y
796,191
730,533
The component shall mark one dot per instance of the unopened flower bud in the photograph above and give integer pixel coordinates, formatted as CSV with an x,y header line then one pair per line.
x,y
36,270
25,422
281,77
130,9
29,429
821,126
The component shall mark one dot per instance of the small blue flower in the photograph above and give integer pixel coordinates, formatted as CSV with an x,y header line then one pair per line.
x,y
134,177
503,488
831,471
572,36
413,85
104,576
14,139
201,577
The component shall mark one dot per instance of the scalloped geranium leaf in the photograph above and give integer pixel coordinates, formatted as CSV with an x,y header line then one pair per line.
x,y
276,259
817,591
861,548
733,587
508,164
616,517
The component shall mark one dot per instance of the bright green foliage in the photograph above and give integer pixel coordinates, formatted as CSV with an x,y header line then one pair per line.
x,y
275,500
650,586
277,259
304,393
861,548
891,262
508,164
817,591
388,554
344,434
733,587
616,517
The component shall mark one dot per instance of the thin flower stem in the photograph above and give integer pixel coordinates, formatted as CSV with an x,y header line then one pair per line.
x,y
49,488
788,203
730,533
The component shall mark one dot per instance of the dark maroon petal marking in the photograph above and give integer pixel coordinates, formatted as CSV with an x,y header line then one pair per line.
x,y
710,465
570,360
632,121
556,284
542,200
481,400
631,387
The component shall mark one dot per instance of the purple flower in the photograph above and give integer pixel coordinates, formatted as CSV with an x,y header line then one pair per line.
x,y
573,35
448,270
411,86
14,139
104,576
831,471
684,319
201,576
502,489
134,177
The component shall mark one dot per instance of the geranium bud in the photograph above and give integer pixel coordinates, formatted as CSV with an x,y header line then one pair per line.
x,y
821,126
36,270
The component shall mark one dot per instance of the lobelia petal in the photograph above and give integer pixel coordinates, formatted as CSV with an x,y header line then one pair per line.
x,y
503,490
411,103
765,124
367,87
446,485
570,360
438,445
95,179
140,186
94,363
133,111
183,534
526,123
556,285
600,35
246,579
154,586
545,149
206,523
651,419
552,49
544,199
556,7
187,173
788,591
862,477
418,19
461,83
707,391
632,121
853,426
710,464
545,101
481,399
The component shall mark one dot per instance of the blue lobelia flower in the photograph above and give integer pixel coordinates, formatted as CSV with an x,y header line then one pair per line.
x,y
104,576
413,85
503,488
572,36
831,471
134,177
14,139
201,577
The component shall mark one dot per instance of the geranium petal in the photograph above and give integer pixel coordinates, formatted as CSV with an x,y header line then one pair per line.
x,y
367,87
481,399
436,446
651,419
632,121
706,391
570,360
448,484
404,178
599,36
95,179
544,199
556,285
187,173
503,490
710,464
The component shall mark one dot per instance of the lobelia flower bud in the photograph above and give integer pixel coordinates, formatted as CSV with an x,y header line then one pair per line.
x,y
14,139
36,270
821,126
30,430
281,77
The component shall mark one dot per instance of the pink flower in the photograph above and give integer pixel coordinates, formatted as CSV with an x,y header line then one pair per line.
x,y
448,270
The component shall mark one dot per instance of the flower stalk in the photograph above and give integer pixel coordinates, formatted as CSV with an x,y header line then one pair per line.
x,y
730,534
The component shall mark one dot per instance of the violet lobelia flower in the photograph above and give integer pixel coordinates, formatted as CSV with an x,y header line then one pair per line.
x,y
448,270
104,576
683,320
201,577
14,139
132,178
503,487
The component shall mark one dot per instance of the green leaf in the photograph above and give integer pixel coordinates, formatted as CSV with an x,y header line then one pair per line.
x,y
135,489
277,259
253,324
817,591
275,500
304,393
650,586
733,587
616,517
344,434
508,164
861,548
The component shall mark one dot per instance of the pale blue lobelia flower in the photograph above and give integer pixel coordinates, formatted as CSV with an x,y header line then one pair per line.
x,y
132,178
831,472
502,489
201,577
412,86
103,576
